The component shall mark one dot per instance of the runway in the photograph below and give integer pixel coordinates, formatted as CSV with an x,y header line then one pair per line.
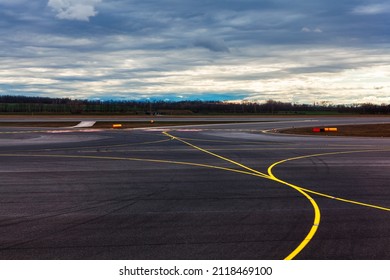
x,y
223,191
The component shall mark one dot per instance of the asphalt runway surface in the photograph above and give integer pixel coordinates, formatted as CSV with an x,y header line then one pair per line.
x,y
224,191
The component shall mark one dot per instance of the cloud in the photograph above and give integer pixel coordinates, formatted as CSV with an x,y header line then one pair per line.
x,y
211,44
308,30
284,50
372,9
74,9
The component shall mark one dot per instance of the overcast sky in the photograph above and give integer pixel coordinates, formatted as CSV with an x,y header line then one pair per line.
x,y
286,50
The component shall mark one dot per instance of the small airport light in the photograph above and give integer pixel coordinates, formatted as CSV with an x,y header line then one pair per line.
x,y
325,129
117,125
152,121
330,129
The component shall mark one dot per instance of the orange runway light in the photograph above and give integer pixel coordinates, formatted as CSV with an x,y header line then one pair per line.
x,y
117,125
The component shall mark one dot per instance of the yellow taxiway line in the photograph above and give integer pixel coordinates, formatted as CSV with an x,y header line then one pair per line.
x,y
247,171
303,191
327,195
317,213
216,155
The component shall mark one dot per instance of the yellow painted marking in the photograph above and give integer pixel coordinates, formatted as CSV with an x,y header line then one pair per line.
x,y
99,147
184,149
316,219
216,155
346,145
259,174
304,192
133,159
252,172
123,145
226,141
346,200
327,195
317,213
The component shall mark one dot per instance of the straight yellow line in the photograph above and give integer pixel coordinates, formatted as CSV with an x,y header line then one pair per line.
x,y
346,200
134,159
117,145
229,142
216,155
182,149
326,154
99,147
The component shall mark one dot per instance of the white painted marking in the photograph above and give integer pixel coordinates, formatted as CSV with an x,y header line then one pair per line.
x,y
85,124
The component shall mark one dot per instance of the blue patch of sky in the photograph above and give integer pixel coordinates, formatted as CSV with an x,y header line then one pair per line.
x,y
174,98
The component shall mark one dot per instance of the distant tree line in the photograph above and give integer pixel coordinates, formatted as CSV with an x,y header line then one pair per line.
x,y
45,105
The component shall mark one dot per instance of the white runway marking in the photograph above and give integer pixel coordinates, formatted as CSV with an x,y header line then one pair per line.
x,y
85,124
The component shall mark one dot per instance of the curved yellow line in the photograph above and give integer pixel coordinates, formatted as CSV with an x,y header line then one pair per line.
x,y
252,172
316,219
317,213
304,192
327,195
270,176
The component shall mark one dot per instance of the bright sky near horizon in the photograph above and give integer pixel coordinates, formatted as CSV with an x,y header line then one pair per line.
x,y
286,50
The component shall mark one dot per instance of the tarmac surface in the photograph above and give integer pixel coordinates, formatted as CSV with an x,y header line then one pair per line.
x,y
223,191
